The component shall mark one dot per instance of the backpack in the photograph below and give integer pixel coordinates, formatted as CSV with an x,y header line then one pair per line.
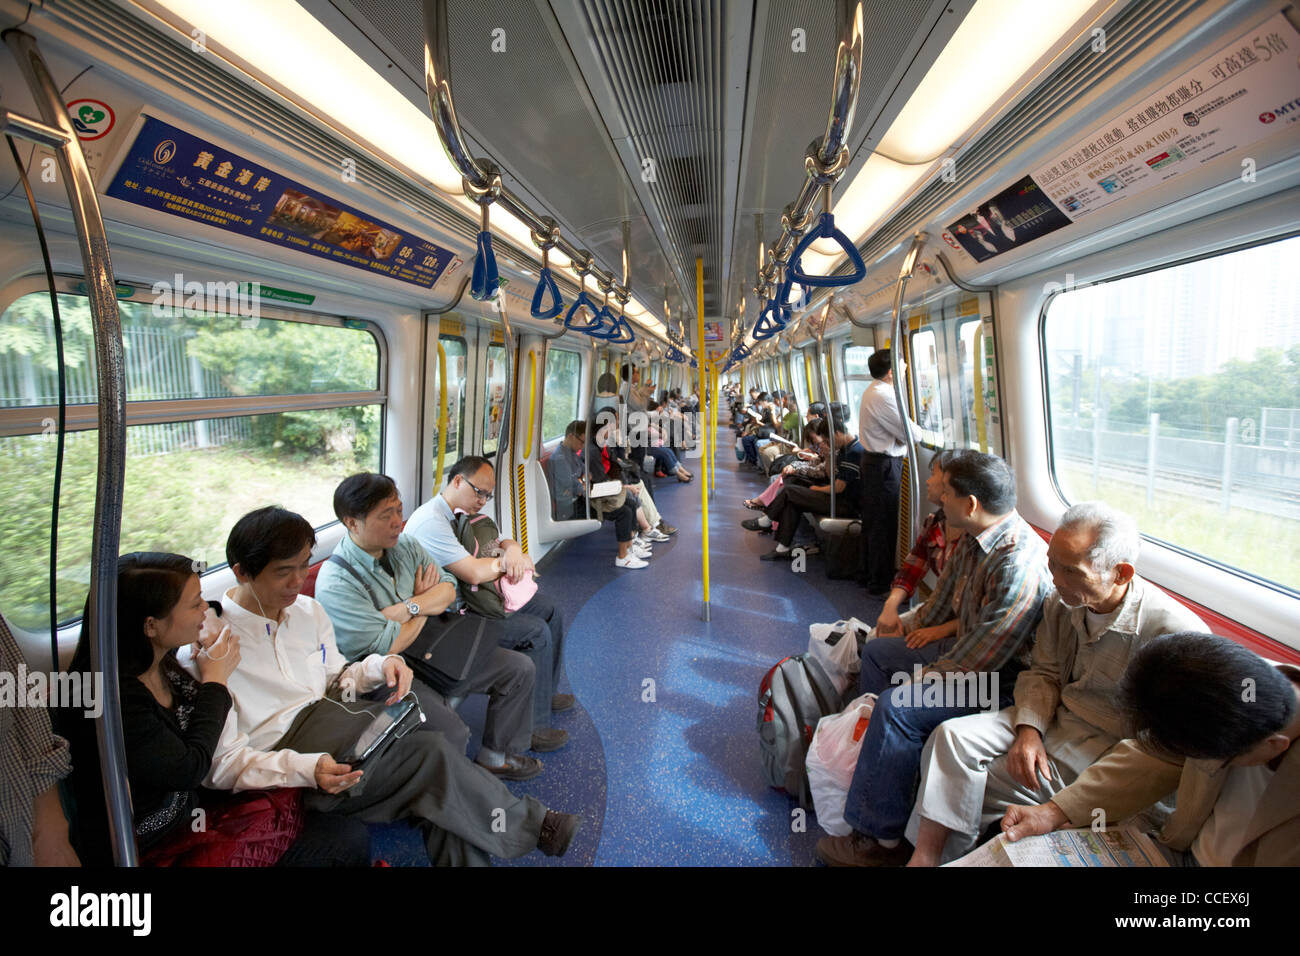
x,y
478,535
794,695
842,553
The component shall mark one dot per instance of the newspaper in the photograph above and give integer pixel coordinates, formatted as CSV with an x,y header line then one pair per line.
x,y
603,489
1119,846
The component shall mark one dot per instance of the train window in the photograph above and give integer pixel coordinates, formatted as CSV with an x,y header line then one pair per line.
x,y
1175,395
179,354
562,393
857,377
802,388
972,349
189,477
925,385
454,351
496,397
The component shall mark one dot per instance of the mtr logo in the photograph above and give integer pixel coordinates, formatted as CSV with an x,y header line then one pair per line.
x,y
1286,109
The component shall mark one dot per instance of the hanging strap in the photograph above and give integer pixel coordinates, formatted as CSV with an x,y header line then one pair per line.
x,y
826,230
545,284
486,279
335,559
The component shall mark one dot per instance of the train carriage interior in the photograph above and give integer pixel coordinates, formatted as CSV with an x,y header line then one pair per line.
x,y
290,242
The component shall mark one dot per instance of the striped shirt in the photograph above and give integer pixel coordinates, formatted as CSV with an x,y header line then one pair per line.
x,y
930,553
994,584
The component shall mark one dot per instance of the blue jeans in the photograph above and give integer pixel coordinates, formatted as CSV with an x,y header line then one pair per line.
x,y
884,784
664,458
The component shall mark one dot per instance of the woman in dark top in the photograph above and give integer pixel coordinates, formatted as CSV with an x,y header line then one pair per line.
x,y
171,723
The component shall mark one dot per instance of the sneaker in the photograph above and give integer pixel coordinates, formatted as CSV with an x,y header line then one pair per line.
x,y
665,527
641,551
558,830
857,849
562,702
516,767
654,534
549,738
631,561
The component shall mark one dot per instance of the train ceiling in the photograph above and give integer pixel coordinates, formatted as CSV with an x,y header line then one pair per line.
x,y
685,117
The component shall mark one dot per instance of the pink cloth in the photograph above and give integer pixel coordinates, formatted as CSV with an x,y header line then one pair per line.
x,y
766,497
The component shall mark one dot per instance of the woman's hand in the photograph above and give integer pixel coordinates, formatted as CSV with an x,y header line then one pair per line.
x,y
218,659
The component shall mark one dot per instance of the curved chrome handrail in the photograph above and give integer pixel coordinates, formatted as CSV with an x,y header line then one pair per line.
x,y
101,619
899,343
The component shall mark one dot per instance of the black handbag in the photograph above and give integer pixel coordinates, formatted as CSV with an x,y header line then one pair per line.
x,y
842,553
449,650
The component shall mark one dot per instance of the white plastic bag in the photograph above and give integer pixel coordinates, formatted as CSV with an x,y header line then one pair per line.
x,y
840,659
832,758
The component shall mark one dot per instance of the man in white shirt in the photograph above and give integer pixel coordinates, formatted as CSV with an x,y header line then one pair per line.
x,y
290,664
884,444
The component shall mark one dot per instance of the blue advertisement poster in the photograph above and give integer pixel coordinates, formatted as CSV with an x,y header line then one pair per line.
x,y
169,170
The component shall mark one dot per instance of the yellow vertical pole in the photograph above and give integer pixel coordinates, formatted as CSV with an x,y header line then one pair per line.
x,y
713,429
702,362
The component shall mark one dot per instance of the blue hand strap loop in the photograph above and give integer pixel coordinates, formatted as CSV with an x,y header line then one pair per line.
x,y
826,230
771,320
546,283
486,279
582,300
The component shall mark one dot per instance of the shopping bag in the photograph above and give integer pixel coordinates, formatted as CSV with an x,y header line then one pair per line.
x,y
836,647
832,759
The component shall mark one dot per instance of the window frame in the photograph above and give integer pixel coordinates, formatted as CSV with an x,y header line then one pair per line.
x,y
1046,409
20,420
935,332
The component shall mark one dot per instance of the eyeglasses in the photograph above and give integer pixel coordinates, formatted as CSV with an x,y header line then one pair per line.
x,y
482,495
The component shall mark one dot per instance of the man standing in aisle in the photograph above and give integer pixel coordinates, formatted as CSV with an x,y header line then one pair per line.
x,y
884,444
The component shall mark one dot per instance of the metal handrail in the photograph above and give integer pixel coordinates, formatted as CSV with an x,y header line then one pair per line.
x,y
101,618
826,157
900,342
482,176
826,398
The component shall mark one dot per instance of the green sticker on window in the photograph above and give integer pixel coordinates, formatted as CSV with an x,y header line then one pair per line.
x,y
279,295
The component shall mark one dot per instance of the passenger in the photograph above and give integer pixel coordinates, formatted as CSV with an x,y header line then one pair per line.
x,y
570,495
391,594
1224,722
537,629
606,392
760,429
1066,714
290,662
793,501
928,554
808,468
171,724
884,444
664,458
968,642
604,448
33,829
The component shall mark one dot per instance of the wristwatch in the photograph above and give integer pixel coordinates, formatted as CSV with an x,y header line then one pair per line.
x,y
413,608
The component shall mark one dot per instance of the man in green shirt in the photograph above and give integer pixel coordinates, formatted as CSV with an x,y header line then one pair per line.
x,y
393,569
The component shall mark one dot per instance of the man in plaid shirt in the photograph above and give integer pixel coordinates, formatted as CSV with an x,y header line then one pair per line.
x,y
975,627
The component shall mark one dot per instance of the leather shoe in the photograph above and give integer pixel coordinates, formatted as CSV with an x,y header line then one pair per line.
x,y
857,849
775,555
562,702
516,767
558,830
665,527
549,738
751,524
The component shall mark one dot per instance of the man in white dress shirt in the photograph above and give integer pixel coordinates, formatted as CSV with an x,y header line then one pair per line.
x,y
884,443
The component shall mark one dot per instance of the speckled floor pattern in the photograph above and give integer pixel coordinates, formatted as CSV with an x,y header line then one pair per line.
x,y
663,757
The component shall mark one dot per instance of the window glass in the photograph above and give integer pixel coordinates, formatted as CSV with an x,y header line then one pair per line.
x,y
562,393
453,348
799,363
495,408
179,354
186,485
1175,396
925,384
857,376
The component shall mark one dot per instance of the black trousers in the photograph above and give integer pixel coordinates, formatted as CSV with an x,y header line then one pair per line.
x,y
881,478
793,501
329,840
624,518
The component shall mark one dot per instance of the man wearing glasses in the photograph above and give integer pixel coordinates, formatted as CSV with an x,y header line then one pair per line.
x,y
382,593
537,629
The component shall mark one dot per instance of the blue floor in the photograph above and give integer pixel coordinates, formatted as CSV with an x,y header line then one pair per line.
x,y
663,760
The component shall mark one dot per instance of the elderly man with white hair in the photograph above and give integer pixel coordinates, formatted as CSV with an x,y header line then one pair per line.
x,y
1066,714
